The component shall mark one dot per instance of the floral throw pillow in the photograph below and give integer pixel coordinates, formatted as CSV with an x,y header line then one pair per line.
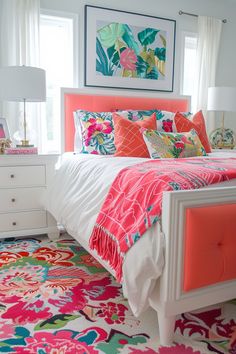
x,y
173,145
96,131
197,122
165,119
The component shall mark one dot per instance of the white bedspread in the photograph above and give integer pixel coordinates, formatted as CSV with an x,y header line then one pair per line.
x,y
75,198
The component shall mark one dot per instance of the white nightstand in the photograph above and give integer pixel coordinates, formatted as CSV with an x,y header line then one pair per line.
x,y
23,182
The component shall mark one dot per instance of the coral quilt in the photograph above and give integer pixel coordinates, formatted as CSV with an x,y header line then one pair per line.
x,y
134,201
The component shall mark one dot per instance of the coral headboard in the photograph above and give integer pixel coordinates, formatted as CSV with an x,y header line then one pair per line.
x,y
76,99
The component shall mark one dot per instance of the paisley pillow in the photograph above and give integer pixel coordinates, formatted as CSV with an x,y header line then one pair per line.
x,y
96,131
165,120
173,145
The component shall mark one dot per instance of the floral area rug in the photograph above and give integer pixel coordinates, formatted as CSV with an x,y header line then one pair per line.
x,y
56,299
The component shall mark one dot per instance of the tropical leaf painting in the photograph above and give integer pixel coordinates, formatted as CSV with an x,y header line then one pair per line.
x,y
123,50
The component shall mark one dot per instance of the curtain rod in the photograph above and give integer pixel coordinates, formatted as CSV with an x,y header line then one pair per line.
x,y
194,15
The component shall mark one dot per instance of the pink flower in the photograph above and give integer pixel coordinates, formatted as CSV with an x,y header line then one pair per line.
x,y
107,129
31,312
128,59
135,117
6,330
95,127
55,257
58,342
113,313
88,289
11,257
20,281
90,261
71,301
184,139
100,126
101,289
142,130
167,125
178,349
179,145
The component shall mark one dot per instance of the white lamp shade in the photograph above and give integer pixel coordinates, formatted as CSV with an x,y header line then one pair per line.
x,y
221,99
19,83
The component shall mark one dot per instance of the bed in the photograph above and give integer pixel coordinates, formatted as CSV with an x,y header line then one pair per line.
x,y
163,277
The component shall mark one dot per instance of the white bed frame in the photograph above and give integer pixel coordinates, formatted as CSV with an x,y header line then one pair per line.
x,y
169,299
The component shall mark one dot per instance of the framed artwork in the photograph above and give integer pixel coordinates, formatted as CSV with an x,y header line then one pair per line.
x,y
4,131
128,50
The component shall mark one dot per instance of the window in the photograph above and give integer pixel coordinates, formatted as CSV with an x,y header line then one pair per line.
x,y
57,58
189,63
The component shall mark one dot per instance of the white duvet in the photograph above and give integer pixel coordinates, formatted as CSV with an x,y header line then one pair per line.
x,y
75,198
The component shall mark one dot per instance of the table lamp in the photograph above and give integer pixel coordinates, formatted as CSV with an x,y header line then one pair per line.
x,y
23,84
222,99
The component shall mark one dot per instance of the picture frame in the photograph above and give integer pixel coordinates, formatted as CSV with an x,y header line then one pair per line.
x,y
128,50
4,130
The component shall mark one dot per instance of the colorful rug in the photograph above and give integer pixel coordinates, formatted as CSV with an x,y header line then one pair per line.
x,y
56,299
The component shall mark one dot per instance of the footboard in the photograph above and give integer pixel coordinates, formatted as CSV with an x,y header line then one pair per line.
x,y
200,263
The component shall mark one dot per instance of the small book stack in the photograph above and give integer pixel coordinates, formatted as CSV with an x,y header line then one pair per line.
x,y
21,150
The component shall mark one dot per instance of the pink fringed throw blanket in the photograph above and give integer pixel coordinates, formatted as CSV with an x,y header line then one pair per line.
x,y
134,201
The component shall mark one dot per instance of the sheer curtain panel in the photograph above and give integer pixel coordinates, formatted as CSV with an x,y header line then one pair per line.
x,y
209,33
19,45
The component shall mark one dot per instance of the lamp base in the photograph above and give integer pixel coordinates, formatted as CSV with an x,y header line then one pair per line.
x,y
24,144
222,138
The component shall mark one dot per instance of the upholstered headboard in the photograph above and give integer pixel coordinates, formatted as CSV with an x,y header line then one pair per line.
x,y
73,99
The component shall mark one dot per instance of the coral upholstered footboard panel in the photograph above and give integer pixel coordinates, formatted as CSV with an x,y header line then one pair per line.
x,y
209,256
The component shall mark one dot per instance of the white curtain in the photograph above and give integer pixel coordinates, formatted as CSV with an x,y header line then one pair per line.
x,y
19,45
209,33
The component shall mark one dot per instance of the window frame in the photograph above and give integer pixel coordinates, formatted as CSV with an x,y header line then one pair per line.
x,y
75,56
184,34
74,18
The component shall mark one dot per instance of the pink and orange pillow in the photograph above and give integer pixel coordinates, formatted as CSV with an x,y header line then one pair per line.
x,y
173,145
128,138
197,123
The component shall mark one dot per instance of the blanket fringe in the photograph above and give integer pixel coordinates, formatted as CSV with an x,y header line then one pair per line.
x,y
106,247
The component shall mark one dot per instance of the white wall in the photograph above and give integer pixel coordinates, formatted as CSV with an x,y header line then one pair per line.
x,y
226,72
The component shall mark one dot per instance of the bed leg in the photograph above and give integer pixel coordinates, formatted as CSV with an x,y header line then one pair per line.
x,y
53,231
54,235
166,328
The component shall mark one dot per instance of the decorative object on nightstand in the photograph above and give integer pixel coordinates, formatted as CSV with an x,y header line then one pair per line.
x,y
23,84
23,182
4,145
5,141
222,99
4,130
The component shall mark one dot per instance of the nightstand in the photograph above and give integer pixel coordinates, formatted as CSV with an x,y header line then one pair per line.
x,y
23,182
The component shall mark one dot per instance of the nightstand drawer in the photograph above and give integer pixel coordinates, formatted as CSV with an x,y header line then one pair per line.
x,y
15,199
12,176
24,220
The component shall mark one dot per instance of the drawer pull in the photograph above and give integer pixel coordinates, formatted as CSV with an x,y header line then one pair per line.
x,y
13,200
12,176
14,223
